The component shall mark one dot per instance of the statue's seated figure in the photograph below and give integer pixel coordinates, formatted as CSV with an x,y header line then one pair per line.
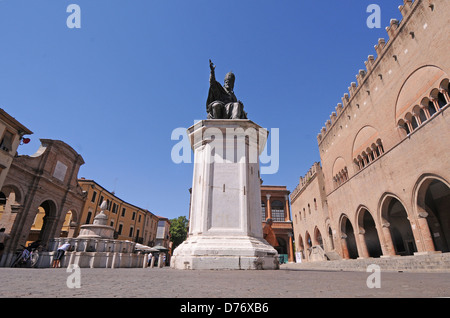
x,y
222,103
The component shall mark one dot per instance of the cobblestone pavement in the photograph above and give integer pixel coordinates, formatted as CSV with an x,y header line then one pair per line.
x,y
171,283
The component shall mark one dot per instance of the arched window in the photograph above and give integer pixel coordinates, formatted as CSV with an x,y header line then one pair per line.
x,y
380,146
414,122
422,115
431,108
409,119
356,164
263,211
402,125
375,151
367,156
277,211
438,98
370,156
419,114
441,100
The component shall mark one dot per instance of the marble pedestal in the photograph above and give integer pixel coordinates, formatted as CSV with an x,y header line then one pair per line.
x,y
225,226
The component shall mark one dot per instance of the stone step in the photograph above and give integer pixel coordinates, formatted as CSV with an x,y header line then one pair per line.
x,y
439,262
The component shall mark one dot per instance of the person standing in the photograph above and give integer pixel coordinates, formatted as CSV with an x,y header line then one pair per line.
x,y
59,254
3,238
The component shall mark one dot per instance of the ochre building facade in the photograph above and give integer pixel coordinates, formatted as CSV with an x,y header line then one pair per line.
x,y
130,222
42,198
382,188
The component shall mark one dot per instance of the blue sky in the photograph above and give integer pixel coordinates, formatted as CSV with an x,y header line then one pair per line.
x,y
116,88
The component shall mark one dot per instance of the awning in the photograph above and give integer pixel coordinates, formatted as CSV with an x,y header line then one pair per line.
x,y
145,248
161,248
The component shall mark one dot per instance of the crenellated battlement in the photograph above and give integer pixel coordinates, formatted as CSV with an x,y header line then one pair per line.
x,y
363,75
304,181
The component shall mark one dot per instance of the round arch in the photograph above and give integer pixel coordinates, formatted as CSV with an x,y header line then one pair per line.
x,y
11,189
338,165
368,229
445,84
348,240
413,86
45,219
363,139
12,206
318,240
308,242
299,244
395,217
300,248
329,234
431,198
70,223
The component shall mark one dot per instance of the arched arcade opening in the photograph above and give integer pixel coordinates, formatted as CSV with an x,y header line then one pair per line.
x,y
396,219
434,199
369,231
349,247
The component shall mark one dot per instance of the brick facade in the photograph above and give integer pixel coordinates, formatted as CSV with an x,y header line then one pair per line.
x,y
382,187
46,180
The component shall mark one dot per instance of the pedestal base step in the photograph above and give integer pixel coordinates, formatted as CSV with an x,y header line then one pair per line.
x,y
242,253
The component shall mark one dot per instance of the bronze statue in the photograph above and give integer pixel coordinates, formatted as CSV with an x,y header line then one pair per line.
x,y
221,102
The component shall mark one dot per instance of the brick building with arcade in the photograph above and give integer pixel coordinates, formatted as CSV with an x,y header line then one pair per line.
x,y
382,187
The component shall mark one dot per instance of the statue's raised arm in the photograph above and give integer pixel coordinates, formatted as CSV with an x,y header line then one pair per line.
x,y
212,76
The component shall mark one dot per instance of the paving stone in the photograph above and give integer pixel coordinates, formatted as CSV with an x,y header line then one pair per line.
x,y
287,282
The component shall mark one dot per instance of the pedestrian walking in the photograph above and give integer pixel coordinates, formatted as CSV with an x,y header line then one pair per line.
x,y
150,255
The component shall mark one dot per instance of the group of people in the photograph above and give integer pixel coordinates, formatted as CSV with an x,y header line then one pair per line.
x,y
56,260
156,259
